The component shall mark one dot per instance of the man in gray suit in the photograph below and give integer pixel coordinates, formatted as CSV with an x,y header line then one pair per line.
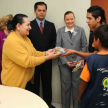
x,y
70,37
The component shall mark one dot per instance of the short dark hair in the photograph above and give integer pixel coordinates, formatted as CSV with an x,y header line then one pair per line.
x,y
101,32
96,12
68,12
39,3
18,18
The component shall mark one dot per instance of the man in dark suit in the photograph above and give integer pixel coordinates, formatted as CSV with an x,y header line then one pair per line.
x,y
43,37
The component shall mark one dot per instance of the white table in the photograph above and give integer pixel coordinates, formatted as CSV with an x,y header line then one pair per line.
x,y
13,97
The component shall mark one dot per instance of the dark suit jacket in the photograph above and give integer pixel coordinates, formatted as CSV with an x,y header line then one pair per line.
x,y
91,39
45,41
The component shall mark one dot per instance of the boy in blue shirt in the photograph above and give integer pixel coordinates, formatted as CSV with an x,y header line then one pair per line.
x,y
93,89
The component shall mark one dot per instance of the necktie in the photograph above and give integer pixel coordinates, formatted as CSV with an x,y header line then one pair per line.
x,y
41,27
70,34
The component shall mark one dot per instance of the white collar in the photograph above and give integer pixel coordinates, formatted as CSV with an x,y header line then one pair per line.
x,y
66,29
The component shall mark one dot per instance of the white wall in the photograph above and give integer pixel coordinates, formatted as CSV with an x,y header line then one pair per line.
x,y
55,13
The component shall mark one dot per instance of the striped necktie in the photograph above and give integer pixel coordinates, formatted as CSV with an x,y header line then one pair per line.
x,y
41,27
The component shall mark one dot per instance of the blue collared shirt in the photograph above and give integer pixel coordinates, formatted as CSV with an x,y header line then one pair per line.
x,y
38,21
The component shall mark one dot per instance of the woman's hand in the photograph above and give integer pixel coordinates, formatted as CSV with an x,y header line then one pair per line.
x,y
52,55
68,64
48,52
81,61
71,64
74,63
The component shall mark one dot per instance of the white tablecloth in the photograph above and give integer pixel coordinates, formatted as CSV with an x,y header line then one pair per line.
x,y
13,97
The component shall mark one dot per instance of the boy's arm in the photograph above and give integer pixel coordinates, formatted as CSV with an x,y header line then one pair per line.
x,y
81,54
85,76
82,87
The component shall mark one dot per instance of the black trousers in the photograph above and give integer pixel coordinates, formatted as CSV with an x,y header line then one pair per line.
x,y
43,71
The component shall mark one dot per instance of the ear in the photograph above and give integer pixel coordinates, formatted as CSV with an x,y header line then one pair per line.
x,y
99,18
18,26
98,41
35,12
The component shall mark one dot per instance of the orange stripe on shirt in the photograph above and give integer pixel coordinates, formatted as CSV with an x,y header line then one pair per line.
x,y
85,75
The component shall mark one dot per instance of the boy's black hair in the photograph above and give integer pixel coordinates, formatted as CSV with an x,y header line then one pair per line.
x,y
101,32
39,3
97,11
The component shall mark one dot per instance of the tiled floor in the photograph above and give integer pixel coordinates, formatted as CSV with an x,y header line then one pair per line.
x,y
58,105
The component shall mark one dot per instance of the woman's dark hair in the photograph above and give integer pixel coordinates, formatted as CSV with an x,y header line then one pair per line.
x,y
68,12
18,18
101,32
97,11
9,25
39,3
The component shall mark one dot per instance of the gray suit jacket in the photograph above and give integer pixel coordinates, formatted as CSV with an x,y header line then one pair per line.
x,y
78,42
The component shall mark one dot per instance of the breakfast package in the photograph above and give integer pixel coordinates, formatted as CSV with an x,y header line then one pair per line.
x,y
78,67
59,50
